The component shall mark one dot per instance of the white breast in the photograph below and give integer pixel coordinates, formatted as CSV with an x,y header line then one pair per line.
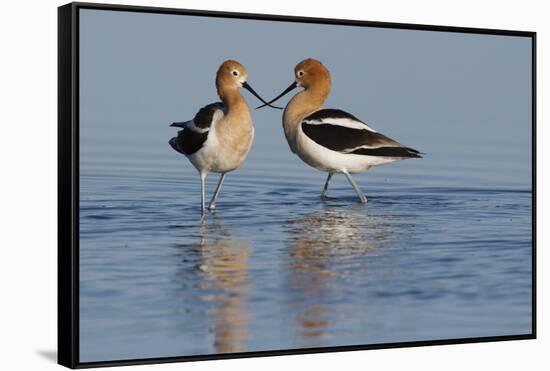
x,y
215,156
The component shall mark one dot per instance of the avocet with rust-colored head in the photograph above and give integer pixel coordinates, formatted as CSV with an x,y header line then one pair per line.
x,y
219,138
332,140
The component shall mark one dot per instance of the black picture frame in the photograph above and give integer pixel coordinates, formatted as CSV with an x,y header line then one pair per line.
x,y
68,181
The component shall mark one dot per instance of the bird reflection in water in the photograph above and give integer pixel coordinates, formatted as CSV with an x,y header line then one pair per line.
x,y
225,267
324,245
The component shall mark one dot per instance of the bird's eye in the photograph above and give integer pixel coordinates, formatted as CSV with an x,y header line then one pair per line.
x,y
235,73
300,73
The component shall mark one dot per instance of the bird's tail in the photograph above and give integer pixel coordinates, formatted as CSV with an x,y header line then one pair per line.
x,y
413,153
181,124
174,144
389,151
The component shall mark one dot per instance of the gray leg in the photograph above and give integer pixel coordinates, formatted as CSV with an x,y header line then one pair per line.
x,y
357,189
324,193
203,178
212,204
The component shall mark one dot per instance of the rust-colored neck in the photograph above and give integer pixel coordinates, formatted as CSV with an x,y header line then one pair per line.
x,y
237,121
311,99
233,100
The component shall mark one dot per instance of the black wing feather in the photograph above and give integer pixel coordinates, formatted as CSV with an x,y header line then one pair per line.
x,y
351,140
388,152
203,118
192,137
188,141
329,113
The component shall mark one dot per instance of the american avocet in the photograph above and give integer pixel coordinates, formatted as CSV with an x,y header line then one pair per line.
x,y
219,137
332,140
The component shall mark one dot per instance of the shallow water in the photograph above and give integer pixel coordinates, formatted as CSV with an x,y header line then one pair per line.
x,y
277,268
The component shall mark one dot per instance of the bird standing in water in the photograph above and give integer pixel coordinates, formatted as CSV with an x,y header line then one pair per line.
x,y
332,140
219,138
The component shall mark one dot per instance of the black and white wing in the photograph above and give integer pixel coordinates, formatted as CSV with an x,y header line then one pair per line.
x,y
195,132
340,131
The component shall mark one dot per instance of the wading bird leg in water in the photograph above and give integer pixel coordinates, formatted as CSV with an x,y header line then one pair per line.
x,y
324,193
362,197
203,191
212,204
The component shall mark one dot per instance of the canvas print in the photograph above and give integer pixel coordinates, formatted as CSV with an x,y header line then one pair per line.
x,y
384,196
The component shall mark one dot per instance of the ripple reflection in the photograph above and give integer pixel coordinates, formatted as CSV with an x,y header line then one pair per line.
x,y
225,264
321,243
